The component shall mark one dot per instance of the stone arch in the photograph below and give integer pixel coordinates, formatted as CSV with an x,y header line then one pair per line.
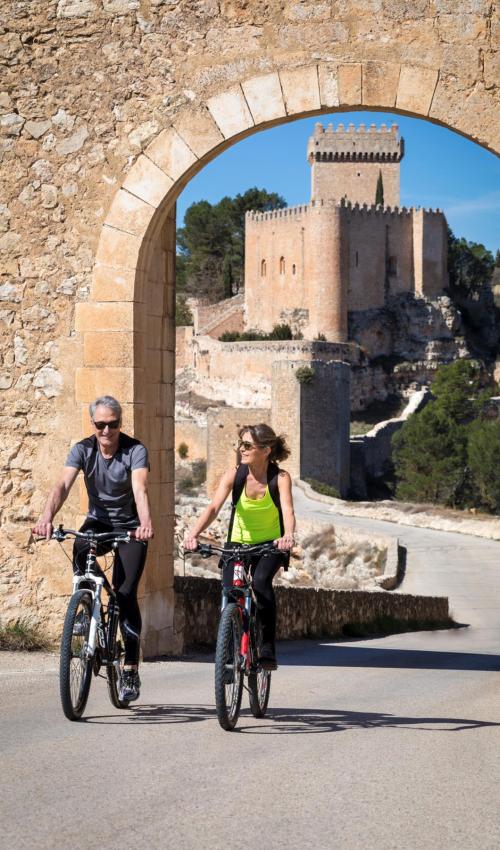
x,y
128,323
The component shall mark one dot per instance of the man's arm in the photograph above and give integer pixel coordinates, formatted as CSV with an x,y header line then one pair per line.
x,y
55,501
140,488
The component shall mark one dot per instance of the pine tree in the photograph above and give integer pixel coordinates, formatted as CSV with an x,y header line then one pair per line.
x,y
379,192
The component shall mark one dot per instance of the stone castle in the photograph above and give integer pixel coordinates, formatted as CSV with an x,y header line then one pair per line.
x,y
312,265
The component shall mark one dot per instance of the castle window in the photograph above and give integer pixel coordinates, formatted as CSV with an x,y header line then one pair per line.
x,y
294,268
262,268
359,173
282,265
392,266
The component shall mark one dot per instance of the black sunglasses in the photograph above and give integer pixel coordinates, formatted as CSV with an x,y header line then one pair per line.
x,y
113,425
244,444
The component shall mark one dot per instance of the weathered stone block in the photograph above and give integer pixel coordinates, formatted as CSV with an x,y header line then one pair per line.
x,y
129,213
328,85
349,77
109,284
230,112
124,383
301,89
108,348
147,181
92,316
380,83
171,153
416,89
118,249
198,129
264,97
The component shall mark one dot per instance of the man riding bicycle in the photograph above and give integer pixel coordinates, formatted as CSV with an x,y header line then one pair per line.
x,y
115,468
262,512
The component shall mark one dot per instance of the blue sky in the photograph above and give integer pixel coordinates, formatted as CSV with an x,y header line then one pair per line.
x,y
439,169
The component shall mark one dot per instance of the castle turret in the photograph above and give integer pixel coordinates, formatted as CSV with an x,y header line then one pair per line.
x,y
349,163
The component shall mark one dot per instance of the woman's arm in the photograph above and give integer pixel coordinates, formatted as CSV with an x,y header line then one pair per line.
x,y
211,511
285,490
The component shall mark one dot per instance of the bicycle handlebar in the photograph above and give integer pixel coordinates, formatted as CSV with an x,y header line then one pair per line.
x,y
208,549
61,534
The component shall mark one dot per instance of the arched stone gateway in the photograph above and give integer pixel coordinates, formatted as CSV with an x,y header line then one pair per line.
x,y
209,82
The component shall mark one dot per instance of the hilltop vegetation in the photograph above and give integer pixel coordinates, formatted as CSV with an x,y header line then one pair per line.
x,y
449,453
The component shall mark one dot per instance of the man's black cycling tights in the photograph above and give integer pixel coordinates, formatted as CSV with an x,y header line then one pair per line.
x,y
129,565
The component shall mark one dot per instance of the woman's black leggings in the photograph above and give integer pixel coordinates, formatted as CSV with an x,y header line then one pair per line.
x,y
263,570
129,565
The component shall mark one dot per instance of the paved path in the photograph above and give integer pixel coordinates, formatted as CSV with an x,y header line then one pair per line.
x,y
390,743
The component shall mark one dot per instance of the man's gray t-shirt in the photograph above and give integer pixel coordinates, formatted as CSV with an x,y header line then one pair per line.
x,y
109,482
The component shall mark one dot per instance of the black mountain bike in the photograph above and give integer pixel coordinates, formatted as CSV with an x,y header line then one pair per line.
x,y
239,638
90,636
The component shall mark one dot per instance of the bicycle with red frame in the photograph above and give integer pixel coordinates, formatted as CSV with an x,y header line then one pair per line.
x,y
239,638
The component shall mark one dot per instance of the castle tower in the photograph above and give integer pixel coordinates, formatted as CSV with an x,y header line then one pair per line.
x,y
349,162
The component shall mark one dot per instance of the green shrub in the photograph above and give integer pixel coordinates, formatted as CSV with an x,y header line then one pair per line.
x,y
304,374
282,331
483,456
183,450
24,635
324,489
199,472
185,484
320,338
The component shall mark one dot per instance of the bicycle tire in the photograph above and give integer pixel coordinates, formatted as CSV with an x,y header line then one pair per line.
x,y
259,680
75,678
114,673
228,672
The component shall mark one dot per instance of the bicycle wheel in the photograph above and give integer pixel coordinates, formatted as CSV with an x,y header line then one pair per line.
x,y
75,670
115,670
259,680
228,672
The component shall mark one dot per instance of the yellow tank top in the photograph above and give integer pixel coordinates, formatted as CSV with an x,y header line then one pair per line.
x,y
255,520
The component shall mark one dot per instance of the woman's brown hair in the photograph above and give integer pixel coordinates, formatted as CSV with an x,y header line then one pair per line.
x,y
263,435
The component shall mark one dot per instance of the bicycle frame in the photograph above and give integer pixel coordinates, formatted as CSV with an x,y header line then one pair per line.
x,y
93,581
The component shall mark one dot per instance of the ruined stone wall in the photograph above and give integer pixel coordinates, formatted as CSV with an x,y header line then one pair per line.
x,y
222,435
107,109
184,346
194,436
214,319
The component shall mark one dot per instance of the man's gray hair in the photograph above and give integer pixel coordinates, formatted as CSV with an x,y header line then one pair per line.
x,y
106,401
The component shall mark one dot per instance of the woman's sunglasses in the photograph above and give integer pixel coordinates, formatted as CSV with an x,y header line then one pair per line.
x,y
246,446
113,425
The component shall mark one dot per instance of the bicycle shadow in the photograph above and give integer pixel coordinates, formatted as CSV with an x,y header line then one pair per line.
x,y
286,721
154,714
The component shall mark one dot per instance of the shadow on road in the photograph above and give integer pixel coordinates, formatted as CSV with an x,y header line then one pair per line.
x,y
317,654
286,721
154,714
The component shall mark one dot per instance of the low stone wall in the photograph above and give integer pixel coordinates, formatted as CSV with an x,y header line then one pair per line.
x,y
194,435
303,612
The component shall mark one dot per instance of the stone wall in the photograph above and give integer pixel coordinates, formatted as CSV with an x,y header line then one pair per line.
x,y
94,155
223,424
193,435
184,346
215,319
303,612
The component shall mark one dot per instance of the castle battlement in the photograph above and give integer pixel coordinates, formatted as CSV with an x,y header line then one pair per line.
x,y
356,208
355,144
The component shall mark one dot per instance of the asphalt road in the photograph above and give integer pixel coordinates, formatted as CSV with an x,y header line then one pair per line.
x,y
386,743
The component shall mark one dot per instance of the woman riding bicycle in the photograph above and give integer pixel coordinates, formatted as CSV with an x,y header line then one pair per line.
x,y
263,513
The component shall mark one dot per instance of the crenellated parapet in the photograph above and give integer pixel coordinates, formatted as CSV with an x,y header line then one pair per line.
x,y
290,213
355,144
